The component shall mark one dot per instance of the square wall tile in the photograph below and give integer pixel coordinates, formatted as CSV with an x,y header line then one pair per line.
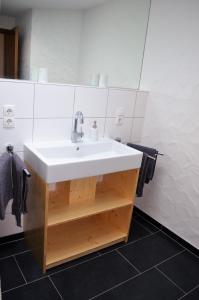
x,y
16,136
53,101
121,99
88,122
52,129
137,129
118,131
140,105
21,95
91,101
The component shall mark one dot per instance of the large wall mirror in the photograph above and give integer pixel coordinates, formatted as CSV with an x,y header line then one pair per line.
x,y
88,42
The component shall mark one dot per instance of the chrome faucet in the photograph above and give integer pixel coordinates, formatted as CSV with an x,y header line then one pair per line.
x,y
76,136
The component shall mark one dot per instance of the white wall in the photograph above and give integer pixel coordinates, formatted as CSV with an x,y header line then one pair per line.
x,y
24,23
112,42
45,111
7,22
171,74
55,43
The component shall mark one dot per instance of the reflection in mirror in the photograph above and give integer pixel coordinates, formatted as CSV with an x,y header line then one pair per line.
x,y
88,42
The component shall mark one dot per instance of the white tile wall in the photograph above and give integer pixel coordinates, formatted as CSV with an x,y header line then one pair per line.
x,y
121,99
91,101
45,111
52,129
122,131
53,101
19,94
140,106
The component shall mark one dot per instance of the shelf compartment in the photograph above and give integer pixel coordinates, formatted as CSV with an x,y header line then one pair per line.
x,y
74,239
103,202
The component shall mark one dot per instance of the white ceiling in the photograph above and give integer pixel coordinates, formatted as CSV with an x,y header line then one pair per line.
x,y
12,7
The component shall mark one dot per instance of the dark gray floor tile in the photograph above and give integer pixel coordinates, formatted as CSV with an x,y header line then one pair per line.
x,y
12,248
10,274
150,251
146,224
88,279
38,290
137,232
183,269
32,271
194,295
112,248
151,285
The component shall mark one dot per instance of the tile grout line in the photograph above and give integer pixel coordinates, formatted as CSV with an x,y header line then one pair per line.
x,y
80,263
168,278
148,230
33,122
55,287
163,261
181,245
21,285
167,235
148,221
19,268
114,287
192,290
128,261
13,240
5,257
130,243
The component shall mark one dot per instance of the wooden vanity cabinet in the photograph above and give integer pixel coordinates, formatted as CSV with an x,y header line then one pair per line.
x,y
73,218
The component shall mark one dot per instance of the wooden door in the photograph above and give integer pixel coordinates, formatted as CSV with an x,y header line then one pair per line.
x,y
1,55
11,53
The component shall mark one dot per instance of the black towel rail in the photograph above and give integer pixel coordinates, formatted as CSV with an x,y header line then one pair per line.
x,y
10,149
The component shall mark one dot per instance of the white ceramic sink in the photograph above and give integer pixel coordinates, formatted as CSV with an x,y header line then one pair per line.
x,y
60,161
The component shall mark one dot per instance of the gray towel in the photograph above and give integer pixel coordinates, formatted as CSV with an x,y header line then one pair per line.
x,y
5,182
20,188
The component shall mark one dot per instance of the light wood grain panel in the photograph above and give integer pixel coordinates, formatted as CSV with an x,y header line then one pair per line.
x,y
36,218
82,190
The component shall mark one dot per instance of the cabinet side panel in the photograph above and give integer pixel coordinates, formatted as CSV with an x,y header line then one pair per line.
x,y
35,219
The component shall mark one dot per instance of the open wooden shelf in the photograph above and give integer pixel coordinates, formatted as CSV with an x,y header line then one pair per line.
x,y
69,219
102,202
71,240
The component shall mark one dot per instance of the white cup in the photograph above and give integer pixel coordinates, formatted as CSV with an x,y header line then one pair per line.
x,y
103,79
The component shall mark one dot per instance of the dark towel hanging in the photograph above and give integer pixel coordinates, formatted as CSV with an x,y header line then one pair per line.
x,y
147,167
6,192
20,188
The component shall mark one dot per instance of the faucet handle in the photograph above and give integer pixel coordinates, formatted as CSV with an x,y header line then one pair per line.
x,y
81,132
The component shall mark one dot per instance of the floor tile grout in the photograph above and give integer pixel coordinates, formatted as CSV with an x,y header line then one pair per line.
x,y
166,234
21,285
14,254
126,259
19,269
181,245
148,221
147,229
189,292
168,278
54,286
9,242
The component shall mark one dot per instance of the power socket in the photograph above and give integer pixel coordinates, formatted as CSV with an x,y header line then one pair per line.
x,y
8,110
8,122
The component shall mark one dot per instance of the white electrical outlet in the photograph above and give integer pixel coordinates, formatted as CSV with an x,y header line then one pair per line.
x,y
8,122
8,110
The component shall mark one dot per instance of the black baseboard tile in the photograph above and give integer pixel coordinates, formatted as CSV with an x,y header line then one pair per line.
x,y
138,211
11,238
180,240
167,231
